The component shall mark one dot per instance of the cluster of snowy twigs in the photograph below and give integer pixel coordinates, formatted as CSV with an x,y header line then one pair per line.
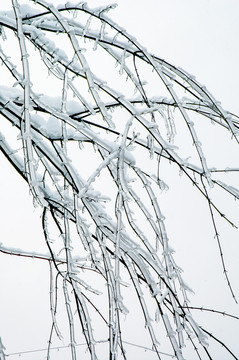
x,y
93,159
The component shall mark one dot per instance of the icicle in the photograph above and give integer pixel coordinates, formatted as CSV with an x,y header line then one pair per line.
x,y
157,315
95,44
102,30
172,130
150,145
2,33
106,8
87,25
122,62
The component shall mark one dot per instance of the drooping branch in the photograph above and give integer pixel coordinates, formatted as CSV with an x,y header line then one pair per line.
x,y
112,214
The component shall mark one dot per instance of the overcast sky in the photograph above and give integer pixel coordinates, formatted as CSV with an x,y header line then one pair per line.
x,y
202,38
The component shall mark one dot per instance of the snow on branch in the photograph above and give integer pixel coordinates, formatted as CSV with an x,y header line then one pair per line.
x,y
98,156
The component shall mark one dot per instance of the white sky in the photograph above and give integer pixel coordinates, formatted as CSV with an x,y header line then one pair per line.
x,y
202,38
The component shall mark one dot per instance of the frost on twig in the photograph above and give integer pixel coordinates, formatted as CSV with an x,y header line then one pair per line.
x,y
2,348
98,156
